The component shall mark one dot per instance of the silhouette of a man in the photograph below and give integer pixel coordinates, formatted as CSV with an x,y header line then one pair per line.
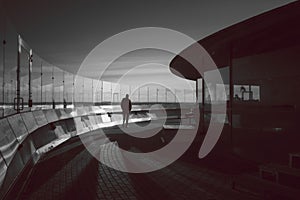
x,y
126,108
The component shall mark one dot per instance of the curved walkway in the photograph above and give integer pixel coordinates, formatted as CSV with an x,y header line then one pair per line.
x,y
70,172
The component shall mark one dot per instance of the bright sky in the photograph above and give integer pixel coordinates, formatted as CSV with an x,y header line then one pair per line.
x,y
64,32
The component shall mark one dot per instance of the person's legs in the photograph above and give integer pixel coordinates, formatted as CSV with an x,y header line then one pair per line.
x,y
127,117
124,116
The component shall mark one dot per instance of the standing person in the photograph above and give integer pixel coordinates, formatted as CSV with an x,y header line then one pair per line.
x,y
126,108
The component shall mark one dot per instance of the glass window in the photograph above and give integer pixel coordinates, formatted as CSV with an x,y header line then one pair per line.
x,y
246,92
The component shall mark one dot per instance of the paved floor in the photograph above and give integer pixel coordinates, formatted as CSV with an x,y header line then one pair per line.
x,y
77,175
70,172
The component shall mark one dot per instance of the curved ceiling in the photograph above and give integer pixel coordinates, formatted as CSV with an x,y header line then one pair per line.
x,y
274,29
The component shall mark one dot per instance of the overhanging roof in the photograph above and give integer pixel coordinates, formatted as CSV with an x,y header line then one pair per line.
x,y
271,30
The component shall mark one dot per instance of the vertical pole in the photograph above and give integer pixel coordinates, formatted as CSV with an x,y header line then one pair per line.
x,y
156,95
250,93
230,109
41,84
101,91
197,91
53,94
37,95
67,92
29,79
231,91
3,72
11,91
73,95
82,98
59,95
148,94
63,89
18,74
203,105
111,92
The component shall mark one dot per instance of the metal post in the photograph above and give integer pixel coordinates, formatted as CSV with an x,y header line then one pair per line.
x,y
101,91
59,95
29,79
203,105
82,98
111,93
11,91
4,43
231,91
157,95
96,92
197,92
73,99
250,93
53,97
36,99
18,74
8,93
46,94
3,73
41,84
63,92
148,94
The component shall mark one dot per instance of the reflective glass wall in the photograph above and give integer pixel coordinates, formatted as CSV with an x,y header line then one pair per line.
x,y
48,86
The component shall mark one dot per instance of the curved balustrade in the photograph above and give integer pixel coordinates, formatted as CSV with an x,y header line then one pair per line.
x,y
27,136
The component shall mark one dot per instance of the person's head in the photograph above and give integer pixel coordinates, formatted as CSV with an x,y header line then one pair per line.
x,y
127,96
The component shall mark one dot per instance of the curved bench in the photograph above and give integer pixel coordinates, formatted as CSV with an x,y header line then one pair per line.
x,y
26,136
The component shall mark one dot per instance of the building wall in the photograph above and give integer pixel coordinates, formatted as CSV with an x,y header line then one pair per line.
x,y
267,130
277,73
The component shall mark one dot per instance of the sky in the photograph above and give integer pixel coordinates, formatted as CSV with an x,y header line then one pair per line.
x,y
63,32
